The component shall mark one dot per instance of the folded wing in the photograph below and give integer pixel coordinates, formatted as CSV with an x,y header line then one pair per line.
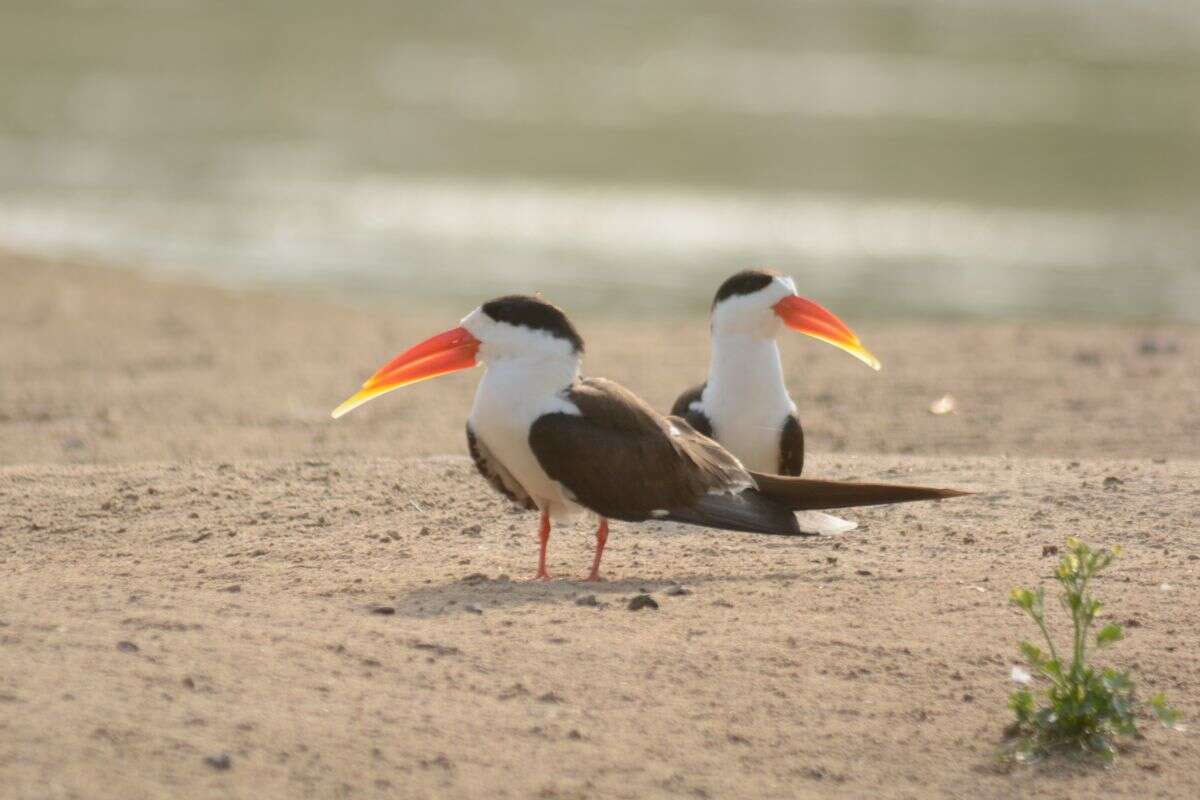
x,y
625,461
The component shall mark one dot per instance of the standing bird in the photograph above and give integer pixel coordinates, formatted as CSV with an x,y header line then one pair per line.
x,y
553,441
745,404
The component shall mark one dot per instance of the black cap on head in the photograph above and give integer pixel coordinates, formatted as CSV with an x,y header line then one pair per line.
x,y
747,281
536,314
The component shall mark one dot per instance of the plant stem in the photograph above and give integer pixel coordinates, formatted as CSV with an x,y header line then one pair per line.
x,y
1041,623
1081,622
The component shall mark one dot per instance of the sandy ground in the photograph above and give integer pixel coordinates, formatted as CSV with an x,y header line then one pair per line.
x,y
209,589
102,366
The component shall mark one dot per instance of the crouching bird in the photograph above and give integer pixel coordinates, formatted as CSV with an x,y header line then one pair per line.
x,y
555,442
745,404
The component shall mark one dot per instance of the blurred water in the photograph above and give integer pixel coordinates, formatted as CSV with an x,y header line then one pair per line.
x,y
972,157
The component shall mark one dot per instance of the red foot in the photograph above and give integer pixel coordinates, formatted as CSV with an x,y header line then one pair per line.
x,y
543,540
601,540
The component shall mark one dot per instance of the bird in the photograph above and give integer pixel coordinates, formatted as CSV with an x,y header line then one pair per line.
x,y
554,441
744,404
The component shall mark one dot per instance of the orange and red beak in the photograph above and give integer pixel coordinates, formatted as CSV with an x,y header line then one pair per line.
x,y
438,355
816,321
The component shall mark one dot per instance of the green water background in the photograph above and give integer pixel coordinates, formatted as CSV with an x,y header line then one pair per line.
x,y
899,157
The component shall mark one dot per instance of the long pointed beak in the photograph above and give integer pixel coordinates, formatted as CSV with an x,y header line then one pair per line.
x,y
814,320
438,355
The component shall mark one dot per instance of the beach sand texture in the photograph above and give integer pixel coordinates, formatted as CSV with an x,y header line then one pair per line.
x,y
208,588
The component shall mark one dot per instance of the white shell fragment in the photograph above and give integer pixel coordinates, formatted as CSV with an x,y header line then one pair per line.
x,y
943,405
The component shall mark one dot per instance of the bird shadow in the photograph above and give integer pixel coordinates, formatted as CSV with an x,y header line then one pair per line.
x,y
477,594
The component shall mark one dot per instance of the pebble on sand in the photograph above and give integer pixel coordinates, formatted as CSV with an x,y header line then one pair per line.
x,y
220,762
642,601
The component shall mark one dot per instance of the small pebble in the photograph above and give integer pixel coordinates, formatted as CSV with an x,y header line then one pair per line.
x,y
473,608
678,590
642,601
587,600
1152,346
383,611
127,647
221,762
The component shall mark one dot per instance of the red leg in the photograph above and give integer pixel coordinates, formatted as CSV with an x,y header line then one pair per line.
x,y
544,538
601,539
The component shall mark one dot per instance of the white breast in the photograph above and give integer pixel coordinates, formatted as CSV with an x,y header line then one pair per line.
x,y
746,399
512,394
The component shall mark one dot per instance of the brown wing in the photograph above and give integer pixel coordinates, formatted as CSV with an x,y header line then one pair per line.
x,y
624,460
500,478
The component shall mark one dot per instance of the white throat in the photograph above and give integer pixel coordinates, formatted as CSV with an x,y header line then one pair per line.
x,y
513,393
746,398
521,383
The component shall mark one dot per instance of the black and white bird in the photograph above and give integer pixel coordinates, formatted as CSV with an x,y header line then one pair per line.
x,y
745,404
556,442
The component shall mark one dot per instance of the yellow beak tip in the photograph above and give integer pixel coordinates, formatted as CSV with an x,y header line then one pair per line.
x,y
348,405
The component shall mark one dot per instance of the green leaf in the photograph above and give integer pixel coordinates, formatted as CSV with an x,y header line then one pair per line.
x,y
1108,634
1022,703
1033,654
1168,716
1053,669
1022,598
1116,682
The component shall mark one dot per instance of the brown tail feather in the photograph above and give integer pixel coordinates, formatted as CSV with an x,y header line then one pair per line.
x,y
804,494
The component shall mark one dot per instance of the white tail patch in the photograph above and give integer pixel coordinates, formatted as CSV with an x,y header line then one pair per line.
x,y
824,524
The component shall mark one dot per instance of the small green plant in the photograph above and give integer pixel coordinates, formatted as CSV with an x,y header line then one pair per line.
x,y
1084,709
